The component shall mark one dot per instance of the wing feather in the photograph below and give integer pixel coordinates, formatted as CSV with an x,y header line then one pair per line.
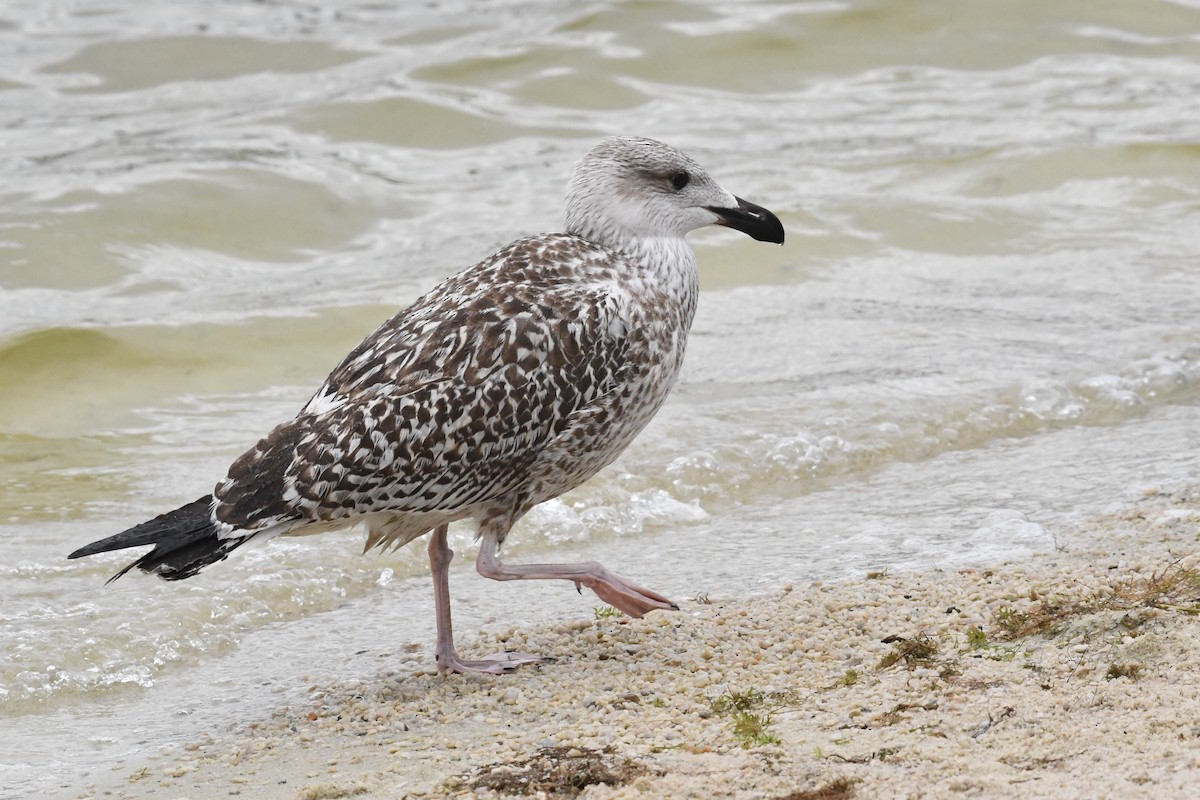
x,y
447,404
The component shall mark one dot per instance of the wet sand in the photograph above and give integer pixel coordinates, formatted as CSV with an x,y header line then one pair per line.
x,y
1069,674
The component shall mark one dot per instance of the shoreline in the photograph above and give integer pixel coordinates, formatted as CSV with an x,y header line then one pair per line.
x,y
1059,676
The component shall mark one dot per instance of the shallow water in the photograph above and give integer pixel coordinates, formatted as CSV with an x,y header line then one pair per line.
x,y
982,326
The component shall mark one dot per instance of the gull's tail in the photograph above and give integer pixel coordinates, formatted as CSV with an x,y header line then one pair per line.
x,y
185,541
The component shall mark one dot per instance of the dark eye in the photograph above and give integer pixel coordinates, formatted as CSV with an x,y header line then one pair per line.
x,y
679,180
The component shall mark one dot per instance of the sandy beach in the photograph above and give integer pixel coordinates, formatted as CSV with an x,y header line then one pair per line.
x,y
1068,675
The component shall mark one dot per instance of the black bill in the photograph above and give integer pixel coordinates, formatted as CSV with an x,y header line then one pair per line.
x,y
754,221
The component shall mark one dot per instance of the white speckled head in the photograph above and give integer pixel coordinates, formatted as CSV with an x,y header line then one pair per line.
x,y
627,189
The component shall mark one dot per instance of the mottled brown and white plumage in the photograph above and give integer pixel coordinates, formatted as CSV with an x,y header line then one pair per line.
x,y
508,384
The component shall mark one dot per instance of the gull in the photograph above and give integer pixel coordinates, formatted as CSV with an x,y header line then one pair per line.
x,y
503,387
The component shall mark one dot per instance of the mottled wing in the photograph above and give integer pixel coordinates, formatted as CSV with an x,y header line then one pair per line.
x,y
446,405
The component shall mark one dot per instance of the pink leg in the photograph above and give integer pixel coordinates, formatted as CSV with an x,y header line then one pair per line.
x,y
618,592
440,556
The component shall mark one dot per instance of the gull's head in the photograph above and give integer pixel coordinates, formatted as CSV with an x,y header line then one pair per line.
x,y
627,189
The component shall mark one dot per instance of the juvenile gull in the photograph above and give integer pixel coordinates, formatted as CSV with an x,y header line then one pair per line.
x,y
508,384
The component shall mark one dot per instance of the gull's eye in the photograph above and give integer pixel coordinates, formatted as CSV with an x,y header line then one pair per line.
x,y
679,180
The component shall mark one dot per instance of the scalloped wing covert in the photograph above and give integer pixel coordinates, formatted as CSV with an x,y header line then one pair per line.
x,y
449,403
